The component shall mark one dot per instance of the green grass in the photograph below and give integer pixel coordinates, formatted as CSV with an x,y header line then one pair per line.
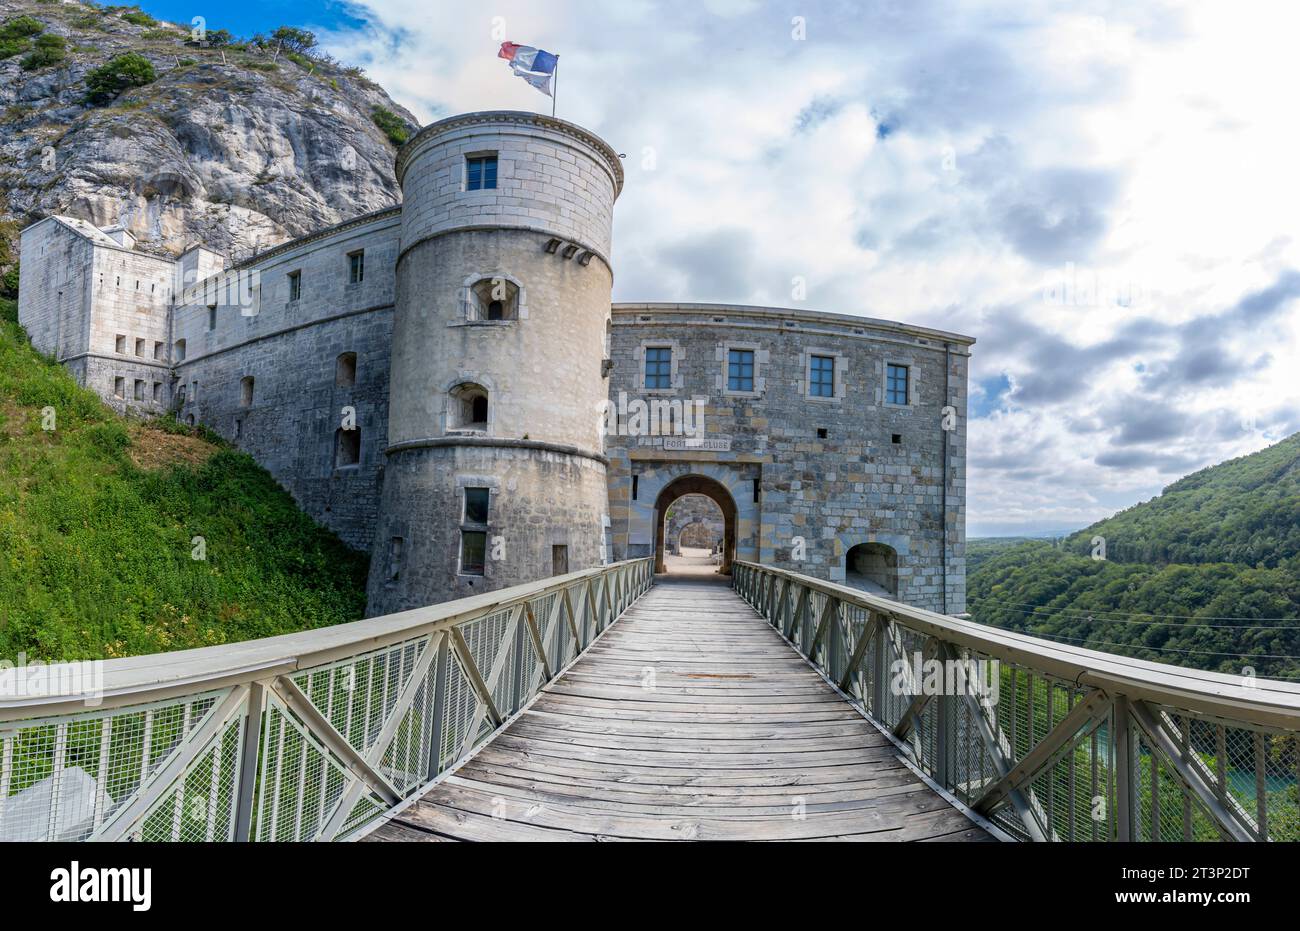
x,y
96,552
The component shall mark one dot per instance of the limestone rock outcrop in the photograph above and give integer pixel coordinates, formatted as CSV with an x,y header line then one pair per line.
x,y
240,147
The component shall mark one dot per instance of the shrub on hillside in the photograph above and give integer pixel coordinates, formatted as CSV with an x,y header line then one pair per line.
x,y
138,17
50,50
293,40
394,127
21,27
120,73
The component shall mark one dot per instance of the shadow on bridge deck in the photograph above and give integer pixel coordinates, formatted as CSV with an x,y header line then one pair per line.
x,y
690,719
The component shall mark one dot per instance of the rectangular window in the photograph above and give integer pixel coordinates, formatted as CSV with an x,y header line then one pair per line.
x,y
120,344
139,347
821,377
157,391
119,387
480,173
659,367
157,350
295,285
896,384
212,318
740,370
356,267
139,390
476,505
559,559
473,532
473,550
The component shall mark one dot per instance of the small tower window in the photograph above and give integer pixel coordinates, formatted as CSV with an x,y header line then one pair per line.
x,y
480,172
180,350
119,387
356,267
120,344
473,531
494,299
469,408
295,285
347,447
246,391
345,370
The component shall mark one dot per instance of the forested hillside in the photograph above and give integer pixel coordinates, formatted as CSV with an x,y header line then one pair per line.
x,y
1205,575
1244,511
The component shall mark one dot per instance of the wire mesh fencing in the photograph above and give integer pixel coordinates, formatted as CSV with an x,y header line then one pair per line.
x,y
1050,742
311,736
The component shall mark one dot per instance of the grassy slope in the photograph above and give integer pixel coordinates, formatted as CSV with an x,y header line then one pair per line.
x,y
95,552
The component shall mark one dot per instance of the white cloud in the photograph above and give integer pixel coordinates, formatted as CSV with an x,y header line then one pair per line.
x,y
954,165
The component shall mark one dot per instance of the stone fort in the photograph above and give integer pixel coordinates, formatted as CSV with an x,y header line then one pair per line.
x,y
447,384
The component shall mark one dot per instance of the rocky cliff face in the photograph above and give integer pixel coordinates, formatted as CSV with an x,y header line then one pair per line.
x,y
239,146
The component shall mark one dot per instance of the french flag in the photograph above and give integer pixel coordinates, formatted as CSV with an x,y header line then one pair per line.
x,y
534,65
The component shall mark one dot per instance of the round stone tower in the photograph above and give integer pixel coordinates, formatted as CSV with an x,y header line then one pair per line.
x,y
495,472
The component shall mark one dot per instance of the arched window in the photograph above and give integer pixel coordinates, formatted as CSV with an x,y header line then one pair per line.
x,y
180,350
246,391
494,299
468,409
347,447
872,567
345,370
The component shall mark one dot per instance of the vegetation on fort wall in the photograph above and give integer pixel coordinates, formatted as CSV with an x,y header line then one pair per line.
x,y
97,538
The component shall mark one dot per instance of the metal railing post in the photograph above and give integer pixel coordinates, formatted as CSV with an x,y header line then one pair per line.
x,y
1122,752
880,672
249,751
439,709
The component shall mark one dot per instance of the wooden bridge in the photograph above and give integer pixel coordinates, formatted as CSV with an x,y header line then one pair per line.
x,y
691,719
609,704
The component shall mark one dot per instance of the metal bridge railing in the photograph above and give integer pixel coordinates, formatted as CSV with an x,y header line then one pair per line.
x,y
308,736
1048,741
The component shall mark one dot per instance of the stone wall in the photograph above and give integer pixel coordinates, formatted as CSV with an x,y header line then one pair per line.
x,y
509,403
831,472
552,176
100,308
694,521
803,478
291,349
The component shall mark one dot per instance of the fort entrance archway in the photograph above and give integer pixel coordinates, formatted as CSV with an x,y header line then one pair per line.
x,y
696,485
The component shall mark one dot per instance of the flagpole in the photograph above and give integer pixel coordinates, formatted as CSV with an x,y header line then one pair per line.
x,y
555,85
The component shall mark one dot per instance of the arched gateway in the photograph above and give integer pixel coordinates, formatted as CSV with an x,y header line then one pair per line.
x,y
711,489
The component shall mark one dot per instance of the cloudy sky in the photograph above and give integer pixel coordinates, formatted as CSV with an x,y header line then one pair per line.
x,y
1103,194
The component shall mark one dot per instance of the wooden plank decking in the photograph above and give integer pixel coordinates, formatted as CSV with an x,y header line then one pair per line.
x,y
737,739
